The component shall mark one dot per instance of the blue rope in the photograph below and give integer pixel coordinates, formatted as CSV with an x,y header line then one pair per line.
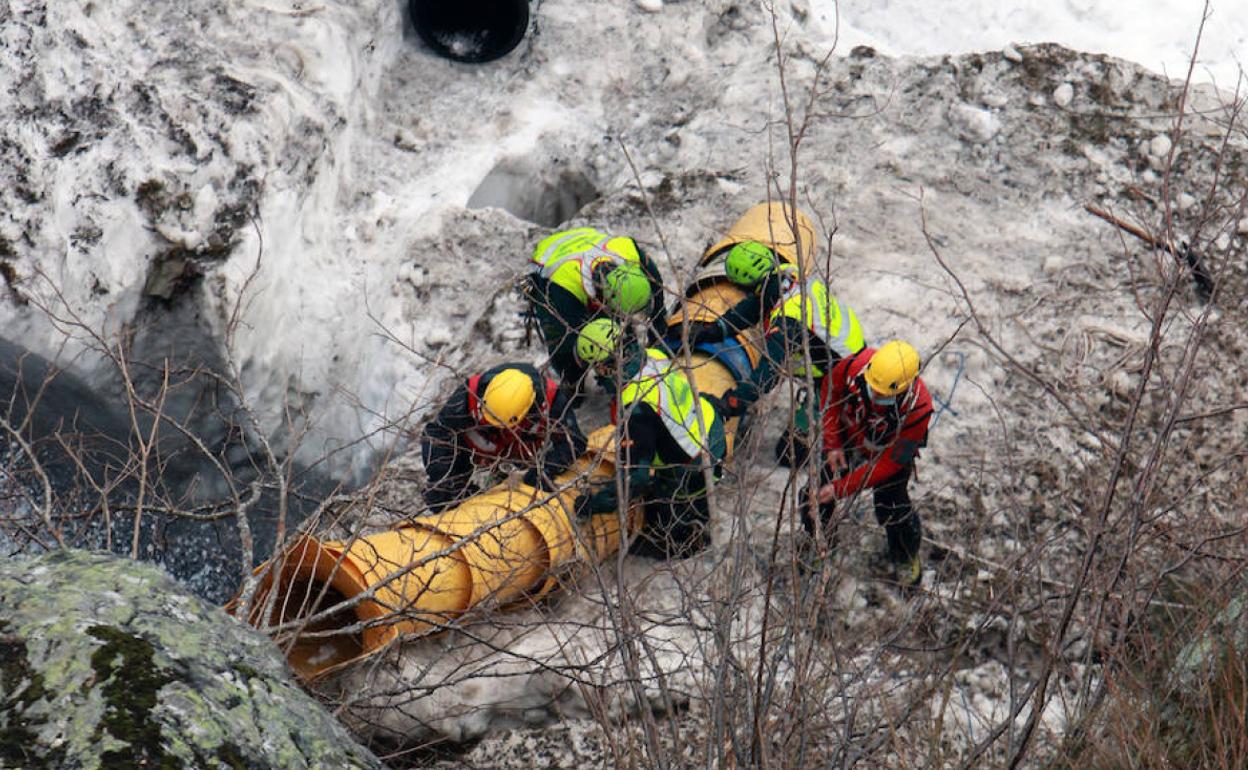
x,y
970,716
945,404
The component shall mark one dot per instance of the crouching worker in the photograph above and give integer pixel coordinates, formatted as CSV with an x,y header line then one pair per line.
x,y
665,433
509,412
578,274
876,411
797,316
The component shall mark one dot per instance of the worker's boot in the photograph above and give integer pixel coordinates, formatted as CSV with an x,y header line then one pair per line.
x,y
905,572
910,572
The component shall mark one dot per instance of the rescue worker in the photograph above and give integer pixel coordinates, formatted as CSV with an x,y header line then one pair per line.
x,y
509,412
665,432
580,273
794,313
876,411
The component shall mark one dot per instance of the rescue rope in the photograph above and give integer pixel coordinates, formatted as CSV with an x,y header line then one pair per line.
x,y
945,404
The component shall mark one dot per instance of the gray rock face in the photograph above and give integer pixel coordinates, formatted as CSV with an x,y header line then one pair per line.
x,y
106,663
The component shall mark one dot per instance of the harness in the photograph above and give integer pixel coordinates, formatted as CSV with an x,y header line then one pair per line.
x,y
496,442
880,429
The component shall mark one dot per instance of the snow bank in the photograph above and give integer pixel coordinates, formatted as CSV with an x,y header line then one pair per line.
x,y
1159,34
308,167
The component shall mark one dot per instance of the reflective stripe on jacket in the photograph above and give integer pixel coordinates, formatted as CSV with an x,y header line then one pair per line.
x,y
568,259
666,389
834,323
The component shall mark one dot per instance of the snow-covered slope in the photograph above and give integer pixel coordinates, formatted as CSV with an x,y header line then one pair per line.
x,y
340,215
312,166
1159,35
156,154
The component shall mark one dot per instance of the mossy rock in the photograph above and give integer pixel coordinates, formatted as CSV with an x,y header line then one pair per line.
x,y
107,663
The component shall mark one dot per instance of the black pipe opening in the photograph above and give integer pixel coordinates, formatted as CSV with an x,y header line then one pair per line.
x,y
472,31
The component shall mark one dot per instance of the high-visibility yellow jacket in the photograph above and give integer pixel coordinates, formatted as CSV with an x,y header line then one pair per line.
x,y
667,391
812,303
568,259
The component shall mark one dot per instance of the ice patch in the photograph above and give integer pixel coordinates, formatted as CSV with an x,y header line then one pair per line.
x,y
974,123
1063,95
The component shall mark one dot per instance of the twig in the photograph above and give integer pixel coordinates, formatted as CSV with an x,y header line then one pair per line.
x,y
1200,273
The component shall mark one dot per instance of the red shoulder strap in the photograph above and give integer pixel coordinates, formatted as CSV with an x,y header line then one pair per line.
x,y
922,405
552,388
474,399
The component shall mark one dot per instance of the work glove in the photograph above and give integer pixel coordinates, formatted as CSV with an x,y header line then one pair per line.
x,y
588,504
581,508
605,381
733,406
538,480
738,401
603,500
716,331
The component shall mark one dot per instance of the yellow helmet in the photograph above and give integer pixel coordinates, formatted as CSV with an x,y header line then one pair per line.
x,y
508,398
892,368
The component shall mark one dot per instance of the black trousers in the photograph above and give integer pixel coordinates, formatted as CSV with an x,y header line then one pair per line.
x,y
677,515
560,339
449,468
902,526
793,448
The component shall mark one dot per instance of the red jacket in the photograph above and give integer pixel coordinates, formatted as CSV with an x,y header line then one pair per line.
x,y
879,440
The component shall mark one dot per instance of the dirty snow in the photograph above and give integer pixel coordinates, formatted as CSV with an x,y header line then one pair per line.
x,y
1159,35
318,170
327,152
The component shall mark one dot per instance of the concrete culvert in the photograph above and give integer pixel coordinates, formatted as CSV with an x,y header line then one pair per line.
x,y
472,31
535,192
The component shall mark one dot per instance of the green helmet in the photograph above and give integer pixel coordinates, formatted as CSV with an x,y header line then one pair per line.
x,y
749,262
626,289
597,340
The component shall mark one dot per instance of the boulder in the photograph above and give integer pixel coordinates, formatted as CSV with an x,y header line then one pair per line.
x,y
108,663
